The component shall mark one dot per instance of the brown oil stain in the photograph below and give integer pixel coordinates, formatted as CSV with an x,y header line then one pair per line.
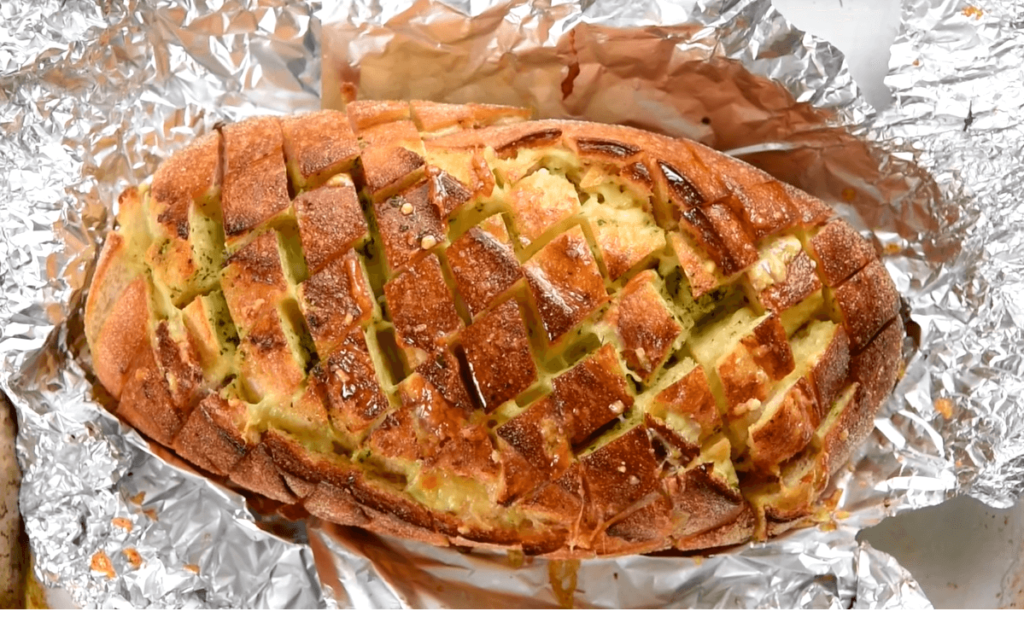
x,y
515,558
133,557
574,68
563,574
101,563
138,499
191,567
123,523
944,407
833,499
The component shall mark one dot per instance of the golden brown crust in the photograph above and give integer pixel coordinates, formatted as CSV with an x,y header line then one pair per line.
x,y
591,394
564,282
868,300
117,313
540,437
268,365
498,353
334,299
590,467
762,358
348,384
539,201
434,117
740,530
257,472
620,473
787,430
319,142
408,225
701,501
330,222
877,365
690,397
146,401
391,156
183,179
840,251
254,281
421,307
178,361
483,264
366,114
801,280
212,436
646,328
255,178
719,232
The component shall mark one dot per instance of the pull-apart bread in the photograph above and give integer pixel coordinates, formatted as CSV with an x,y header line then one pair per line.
x,y
453,324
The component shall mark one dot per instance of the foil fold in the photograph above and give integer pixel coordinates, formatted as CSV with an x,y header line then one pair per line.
x,y
94,96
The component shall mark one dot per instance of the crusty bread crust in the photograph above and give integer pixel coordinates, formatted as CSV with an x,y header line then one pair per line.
x,y
465,384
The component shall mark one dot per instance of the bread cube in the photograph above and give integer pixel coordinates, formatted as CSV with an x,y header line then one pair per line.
x,y
646,330
422,309
498,352
565,283
538,201
483,264
330,223
335,299
591,394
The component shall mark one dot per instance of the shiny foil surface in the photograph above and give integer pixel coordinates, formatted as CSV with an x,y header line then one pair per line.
x,y
95,95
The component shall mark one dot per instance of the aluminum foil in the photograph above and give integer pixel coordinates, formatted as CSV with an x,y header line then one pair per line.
x,y
94,95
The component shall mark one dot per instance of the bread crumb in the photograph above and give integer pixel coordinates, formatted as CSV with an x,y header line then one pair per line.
x,y
944,407
101,563
123,523
973,11
133,557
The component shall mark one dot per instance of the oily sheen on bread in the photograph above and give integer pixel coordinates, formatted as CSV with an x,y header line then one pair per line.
x,y
454,324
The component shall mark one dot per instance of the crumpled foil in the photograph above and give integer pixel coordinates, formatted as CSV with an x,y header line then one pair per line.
x,y
94,95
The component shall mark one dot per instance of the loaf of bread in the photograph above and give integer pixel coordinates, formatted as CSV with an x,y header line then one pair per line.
x,y
455,324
